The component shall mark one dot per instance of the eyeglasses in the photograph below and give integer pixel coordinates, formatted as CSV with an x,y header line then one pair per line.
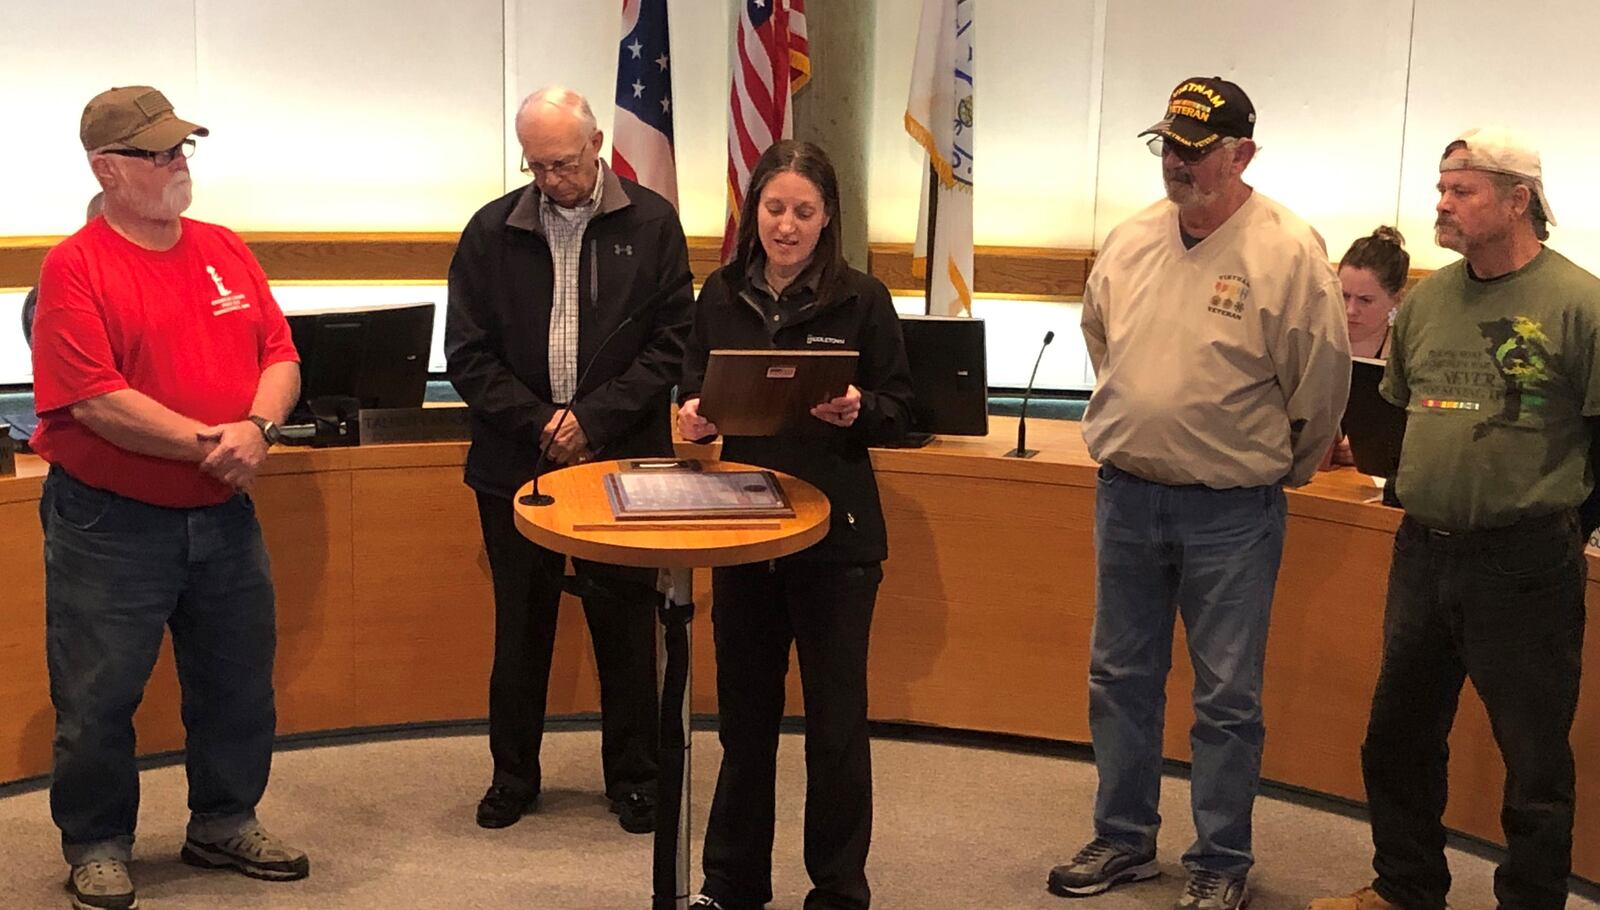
x,y
1160,145
563,169
159,159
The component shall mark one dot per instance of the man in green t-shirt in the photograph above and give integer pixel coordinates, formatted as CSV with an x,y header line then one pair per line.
x,y
1494,362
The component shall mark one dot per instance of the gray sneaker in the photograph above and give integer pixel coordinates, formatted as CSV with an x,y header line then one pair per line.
x,y
252,851
1213,891
101,884
1100,866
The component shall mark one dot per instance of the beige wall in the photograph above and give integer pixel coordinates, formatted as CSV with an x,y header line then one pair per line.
x,y
394,114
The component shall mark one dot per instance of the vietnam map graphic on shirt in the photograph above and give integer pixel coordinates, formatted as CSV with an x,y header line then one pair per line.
x,y
1512,379
1519,348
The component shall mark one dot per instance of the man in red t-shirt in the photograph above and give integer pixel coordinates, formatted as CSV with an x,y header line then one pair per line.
x,y
161,367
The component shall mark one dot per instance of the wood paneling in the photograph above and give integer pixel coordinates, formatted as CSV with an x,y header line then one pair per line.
x,y
287,256
27,721
306,521
311,256
1006,270
385,614
20,258
332,257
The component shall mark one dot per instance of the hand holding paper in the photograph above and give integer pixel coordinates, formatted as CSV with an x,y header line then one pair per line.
x,y
691,426
841,411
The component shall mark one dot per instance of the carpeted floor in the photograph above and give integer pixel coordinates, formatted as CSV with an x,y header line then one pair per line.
x,y
389,824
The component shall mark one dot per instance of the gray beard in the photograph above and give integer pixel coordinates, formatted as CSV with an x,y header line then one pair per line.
x,y
1186,197
175,199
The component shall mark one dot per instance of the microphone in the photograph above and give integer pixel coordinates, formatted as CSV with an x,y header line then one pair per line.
x,y
536,498
1022,450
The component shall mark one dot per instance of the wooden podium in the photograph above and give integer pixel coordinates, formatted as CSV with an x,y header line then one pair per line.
x,y
579,523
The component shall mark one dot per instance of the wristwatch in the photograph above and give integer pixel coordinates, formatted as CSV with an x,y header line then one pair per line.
x,y
269,430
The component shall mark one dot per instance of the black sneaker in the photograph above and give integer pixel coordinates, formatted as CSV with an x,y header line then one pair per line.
x,y
1100,866
704,903
636,813
503,806
101,885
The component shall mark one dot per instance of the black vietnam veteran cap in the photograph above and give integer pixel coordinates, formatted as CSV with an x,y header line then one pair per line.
x,y
1204,109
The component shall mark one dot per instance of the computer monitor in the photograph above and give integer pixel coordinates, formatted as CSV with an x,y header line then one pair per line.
x,y
949,375
376,355
1376,428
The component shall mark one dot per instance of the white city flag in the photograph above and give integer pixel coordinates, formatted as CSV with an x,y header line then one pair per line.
x,y
939,117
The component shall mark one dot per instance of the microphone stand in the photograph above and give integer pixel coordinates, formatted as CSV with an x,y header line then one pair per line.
x,y
536,498
1022,450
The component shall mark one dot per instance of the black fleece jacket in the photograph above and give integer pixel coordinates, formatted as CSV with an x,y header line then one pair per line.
x,y
857,315
497,330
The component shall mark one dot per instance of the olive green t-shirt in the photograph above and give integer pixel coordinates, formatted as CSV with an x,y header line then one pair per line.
x,y
1496,378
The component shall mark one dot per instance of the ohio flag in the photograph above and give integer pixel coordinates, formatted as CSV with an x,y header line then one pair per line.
x,y
641,136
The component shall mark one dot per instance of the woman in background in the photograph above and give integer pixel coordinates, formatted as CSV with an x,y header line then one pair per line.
x,y
788,287
1373,275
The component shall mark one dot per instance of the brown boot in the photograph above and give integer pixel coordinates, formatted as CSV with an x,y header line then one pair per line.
x,y
1365,899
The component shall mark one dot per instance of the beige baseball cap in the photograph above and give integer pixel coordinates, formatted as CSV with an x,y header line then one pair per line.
x,y
137,116
1500,150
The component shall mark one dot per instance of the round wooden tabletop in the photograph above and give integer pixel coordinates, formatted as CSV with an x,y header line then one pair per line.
x,y
579,523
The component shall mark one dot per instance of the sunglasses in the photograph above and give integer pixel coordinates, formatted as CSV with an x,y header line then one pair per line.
x,y
1160,146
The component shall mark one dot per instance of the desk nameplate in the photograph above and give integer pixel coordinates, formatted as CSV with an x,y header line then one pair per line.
x,y
383,425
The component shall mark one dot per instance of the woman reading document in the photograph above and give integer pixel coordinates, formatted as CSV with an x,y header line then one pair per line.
x,y
788,287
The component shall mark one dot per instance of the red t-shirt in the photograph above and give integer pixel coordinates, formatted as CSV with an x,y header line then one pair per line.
x,y
191,327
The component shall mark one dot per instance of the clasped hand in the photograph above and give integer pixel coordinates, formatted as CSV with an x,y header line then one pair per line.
x,y
568,444
233,452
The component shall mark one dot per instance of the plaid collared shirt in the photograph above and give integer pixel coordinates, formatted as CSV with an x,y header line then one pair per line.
x,y
564,227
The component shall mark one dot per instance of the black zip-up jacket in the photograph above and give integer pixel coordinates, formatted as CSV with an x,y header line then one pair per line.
x,y
858,316
497,330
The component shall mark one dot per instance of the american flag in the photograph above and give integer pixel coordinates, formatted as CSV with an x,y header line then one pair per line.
x,y
641,140
772,62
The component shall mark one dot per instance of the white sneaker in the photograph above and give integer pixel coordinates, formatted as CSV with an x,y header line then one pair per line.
x,y
1213,891
252,851
101,884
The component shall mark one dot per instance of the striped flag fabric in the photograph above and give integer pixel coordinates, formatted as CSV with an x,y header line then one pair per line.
x,y
939,117
641,133
771,61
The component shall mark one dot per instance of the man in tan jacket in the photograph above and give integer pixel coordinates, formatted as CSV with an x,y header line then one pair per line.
x,y
1217,331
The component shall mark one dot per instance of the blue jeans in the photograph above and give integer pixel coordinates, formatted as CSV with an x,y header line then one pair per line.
x,y
1213,555
116,572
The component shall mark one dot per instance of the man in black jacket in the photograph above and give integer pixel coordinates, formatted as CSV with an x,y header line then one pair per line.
x,y
540,286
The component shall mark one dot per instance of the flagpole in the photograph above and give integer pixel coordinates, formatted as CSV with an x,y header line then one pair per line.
x,y
933,223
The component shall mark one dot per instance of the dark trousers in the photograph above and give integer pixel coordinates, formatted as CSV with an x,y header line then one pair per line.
x,y
619,605
118,573
1505,609
757,611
